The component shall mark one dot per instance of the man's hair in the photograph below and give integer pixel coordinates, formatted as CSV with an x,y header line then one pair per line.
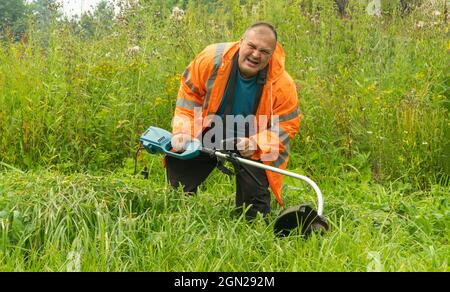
x,y
266,24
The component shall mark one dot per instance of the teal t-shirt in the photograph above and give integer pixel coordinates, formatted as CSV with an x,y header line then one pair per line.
x,y
243,99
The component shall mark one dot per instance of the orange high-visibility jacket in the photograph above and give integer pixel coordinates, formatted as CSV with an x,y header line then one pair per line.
x,y
202,87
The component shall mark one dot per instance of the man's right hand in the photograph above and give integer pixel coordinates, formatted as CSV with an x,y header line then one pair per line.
x,y
179,141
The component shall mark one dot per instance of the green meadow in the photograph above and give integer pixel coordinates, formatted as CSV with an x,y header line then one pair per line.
x,y
375,136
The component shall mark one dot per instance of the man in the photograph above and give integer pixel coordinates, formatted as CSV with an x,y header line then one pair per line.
x,y
241,79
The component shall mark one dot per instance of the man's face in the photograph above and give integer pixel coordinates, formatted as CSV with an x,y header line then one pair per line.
x,y
256,49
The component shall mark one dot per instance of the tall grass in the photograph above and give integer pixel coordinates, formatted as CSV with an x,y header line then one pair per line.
x,y
375,86
374,93
57,222
368,85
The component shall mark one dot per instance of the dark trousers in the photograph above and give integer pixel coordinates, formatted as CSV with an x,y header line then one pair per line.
x,y
191,173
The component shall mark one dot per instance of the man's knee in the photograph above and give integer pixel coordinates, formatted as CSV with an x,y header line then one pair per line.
x,y
188,173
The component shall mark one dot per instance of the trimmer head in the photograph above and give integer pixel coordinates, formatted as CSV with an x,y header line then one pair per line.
x,y
302,217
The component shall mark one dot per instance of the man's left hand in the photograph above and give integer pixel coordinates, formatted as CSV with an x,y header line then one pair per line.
x,y
246,147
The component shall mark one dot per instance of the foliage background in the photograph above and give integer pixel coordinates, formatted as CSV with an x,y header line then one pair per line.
x,y
76,94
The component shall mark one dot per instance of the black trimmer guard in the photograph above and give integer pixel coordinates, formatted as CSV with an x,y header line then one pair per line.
x,y
302,217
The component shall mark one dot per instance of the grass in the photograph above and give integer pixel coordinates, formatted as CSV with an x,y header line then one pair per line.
x,y
376,86
374,93
56,222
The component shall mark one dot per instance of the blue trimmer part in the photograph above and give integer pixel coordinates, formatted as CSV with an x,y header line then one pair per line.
x,y
156,140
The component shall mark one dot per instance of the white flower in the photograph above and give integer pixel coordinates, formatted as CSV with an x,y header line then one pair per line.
x,y
73,261
374,8
177,13
133,50
420,24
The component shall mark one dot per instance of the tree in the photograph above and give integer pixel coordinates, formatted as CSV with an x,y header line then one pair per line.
x,y
104,16
13,16
99,22
45,11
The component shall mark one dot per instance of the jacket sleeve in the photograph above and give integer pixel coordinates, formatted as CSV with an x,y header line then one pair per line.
x,y
273,141
188,110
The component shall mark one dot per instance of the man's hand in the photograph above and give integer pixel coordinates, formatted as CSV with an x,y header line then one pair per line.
x,y
246,147
179,141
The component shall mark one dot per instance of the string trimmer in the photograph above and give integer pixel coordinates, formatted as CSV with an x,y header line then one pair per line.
x,y
303,217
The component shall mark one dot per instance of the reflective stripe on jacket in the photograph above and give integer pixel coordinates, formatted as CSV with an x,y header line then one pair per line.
x,y
202,86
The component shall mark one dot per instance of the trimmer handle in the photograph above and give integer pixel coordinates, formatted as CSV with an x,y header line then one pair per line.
x,y
157,140
193,150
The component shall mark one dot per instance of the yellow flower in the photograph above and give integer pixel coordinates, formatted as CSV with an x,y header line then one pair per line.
x,y
159,101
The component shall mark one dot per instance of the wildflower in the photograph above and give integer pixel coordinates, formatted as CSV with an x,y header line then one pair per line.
x,y
375,264
419,75
122,123
374,8
73,261
158,101
315,20
154,53
133,50
254,10
437,13
420,24
177,13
